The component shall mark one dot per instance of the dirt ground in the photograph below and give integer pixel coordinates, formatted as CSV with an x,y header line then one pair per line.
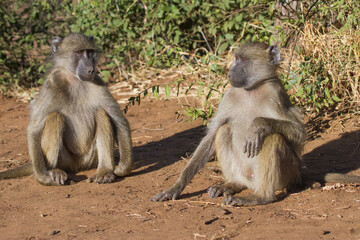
x,y
123,210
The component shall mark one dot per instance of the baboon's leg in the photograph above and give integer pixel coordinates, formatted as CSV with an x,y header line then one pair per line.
x,y
51,145
223,152
105,148
277,168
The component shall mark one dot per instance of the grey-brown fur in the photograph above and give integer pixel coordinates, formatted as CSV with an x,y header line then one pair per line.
x,y
74,120
257,134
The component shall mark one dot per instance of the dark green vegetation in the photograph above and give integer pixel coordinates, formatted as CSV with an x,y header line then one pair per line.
x,y
319,40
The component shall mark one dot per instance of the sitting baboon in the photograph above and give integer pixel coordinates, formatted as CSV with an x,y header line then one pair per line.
x,y
257,134
75,121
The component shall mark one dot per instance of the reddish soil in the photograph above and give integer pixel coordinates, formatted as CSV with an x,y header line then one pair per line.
x,y
123,210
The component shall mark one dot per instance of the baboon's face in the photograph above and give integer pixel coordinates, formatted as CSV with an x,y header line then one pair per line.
x,y
78,54
237,75
253,64
85,62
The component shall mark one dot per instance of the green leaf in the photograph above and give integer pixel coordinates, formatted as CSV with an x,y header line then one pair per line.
x,y
167,91
272,7
223,47
229,36
94,3
336,99
149,34
327,93
210,113
239,18
117,22
155,90
105,74
177,36
199,91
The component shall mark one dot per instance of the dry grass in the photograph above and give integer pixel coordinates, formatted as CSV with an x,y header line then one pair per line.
x,y
196,79
337,52
334,55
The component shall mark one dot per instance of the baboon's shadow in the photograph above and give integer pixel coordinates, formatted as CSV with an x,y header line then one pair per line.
x,y
338,156
159,154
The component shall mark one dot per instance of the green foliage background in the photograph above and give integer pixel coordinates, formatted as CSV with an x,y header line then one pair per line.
x,y
158,33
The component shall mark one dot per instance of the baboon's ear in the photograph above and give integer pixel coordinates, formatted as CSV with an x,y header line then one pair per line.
x,y
91,38
55,43
274,53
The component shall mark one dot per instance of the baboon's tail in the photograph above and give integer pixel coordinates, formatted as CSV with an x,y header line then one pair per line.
x,y
341,178
22,171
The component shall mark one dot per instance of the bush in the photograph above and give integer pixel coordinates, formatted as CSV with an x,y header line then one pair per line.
x,y
25,28
322,62
159,34
325,69
319,40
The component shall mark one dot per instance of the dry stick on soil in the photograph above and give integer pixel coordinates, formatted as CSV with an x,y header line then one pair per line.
x,y
204,203
198,202
356,148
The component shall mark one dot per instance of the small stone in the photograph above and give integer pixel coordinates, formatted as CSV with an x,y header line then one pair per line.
x,y
54,232
316,185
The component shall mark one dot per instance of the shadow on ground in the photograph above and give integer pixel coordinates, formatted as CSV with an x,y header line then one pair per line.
x,y
159,154
338,156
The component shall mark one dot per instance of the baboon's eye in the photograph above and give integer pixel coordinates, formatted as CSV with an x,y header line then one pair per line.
x,y
80,52
91,52
240,59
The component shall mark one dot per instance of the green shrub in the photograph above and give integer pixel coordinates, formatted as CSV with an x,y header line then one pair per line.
x,y
182,34
25,28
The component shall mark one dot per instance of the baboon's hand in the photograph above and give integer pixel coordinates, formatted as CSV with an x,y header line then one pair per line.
x,y
167,195
57,176
103,176
254,139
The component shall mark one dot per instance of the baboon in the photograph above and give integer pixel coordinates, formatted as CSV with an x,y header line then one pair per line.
x,y
74,120
257,134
